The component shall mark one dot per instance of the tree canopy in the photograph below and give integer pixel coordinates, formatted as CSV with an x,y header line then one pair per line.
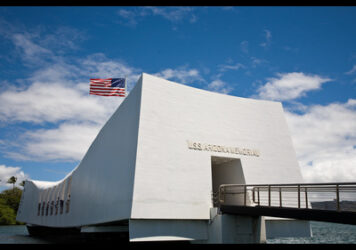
x,y
12,180
9,204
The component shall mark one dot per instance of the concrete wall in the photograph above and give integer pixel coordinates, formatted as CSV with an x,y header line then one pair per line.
x,y
232,229
168,230
102,184
175,182
141,166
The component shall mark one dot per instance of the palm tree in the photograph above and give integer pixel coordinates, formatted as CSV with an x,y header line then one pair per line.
x,y
12,181
22,183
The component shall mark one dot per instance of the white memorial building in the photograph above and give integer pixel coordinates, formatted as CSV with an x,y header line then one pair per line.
x,y
153,167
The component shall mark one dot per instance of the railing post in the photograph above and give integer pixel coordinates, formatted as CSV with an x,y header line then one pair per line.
x,y
269,195
221,193
337,198
306,198
280,197
298,196
258,195
245,195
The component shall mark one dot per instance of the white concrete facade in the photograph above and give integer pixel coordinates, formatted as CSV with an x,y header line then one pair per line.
x,y
143,166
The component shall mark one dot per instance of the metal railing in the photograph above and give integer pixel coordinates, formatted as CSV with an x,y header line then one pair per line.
x,y
326,196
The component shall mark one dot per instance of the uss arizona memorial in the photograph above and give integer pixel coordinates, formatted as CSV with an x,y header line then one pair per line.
x,y
154,168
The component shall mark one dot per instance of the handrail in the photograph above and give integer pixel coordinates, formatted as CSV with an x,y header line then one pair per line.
x,y
263,194
294,184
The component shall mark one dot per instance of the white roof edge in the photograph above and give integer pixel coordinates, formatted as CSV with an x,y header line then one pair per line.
x,y
48,184
204,90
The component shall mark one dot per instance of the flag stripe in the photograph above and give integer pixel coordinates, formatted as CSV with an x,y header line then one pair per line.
x,y
112,94
100,80
101,84
108,89
109,93
92,91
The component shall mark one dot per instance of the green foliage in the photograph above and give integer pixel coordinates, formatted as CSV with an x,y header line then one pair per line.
x,y
9,204
7,214
12,181
12,198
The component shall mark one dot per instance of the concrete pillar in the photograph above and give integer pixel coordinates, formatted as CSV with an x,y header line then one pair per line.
x,y
234,229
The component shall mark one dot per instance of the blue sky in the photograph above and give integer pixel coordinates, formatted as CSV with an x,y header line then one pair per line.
x,y
304,57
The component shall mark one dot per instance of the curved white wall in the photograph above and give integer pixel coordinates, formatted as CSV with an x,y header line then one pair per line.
x,y
101,185
140,165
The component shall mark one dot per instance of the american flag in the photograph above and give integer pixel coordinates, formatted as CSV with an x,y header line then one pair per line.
x,y
108,87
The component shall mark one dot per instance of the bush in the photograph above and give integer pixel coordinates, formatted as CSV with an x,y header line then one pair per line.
x,y
12,197
7,214
9,204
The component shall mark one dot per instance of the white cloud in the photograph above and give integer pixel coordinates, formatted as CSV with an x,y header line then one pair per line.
x,y
182,75
77,117
268,37
228,8
325,141
99,66
58,72
126,13
6,172
55,97
351,71
57,94
219,86
244,46
68,142
172,14
130,16
66,104
226,67
53,102
256,61
291,49
28,50
36,48
62,38
290,86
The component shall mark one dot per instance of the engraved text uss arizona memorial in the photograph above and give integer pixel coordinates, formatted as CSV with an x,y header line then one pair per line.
x,y
224,149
